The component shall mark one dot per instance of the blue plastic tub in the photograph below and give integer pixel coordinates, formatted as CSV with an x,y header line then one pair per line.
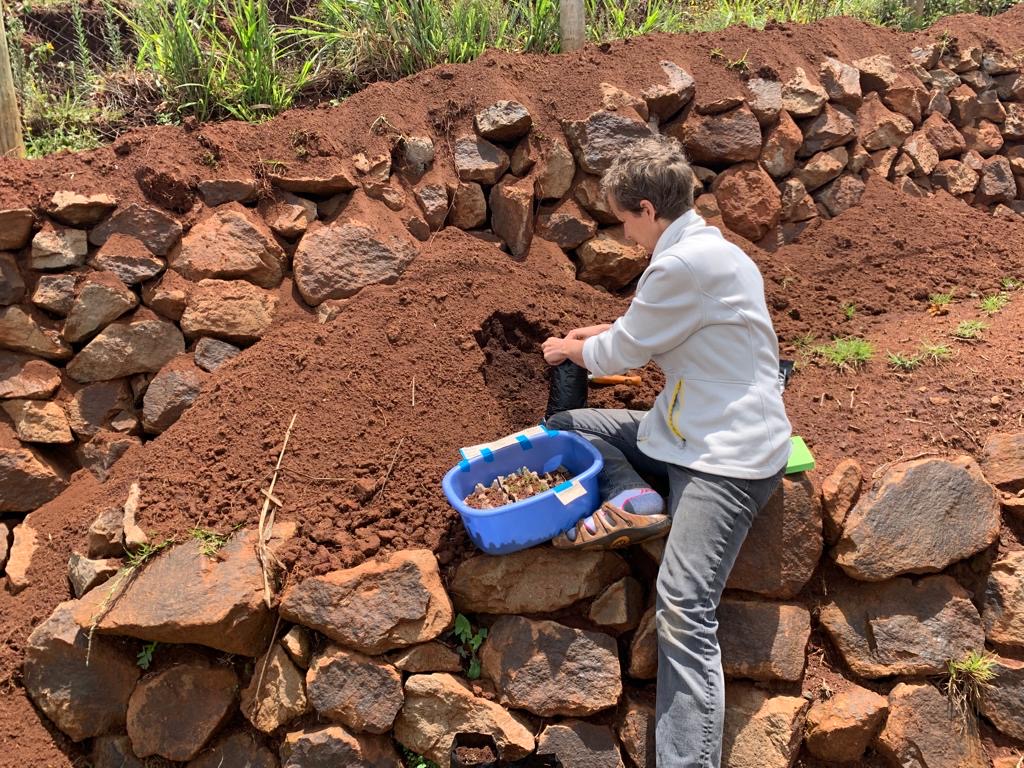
x,y
537,519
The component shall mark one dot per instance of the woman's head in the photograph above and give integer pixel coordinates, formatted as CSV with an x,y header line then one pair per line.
x,y
649,186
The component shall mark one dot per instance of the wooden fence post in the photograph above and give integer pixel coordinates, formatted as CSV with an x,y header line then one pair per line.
x,y
11,142
573,22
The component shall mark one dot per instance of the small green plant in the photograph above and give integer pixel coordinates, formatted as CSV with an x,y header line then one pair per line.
x,y
967,678
145,657
938,303
803,342
935,353
849,310
470,644
717,54
846,353
994,303
413,760
1011,284
210,542
905,363
969,329
740,64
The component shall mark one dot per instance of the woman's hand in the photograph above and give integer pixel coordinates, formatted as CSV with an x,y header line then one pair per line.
x,y
580,334
557,351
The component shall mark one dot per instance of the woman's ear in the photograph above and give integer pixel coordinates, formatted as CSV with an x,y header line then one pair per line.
x,y
647,208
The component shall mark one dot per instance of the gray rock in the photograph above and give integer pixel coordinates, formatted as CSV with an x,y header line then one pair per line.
x,y
84,574
139,343
504,121
128,258
12,285
158,231
58,248
602,137
211,354
478,160
359,692
578,744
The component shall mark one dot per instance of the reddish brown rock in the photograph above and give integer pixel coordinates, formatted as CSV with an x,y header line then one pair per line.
x,y
19,558
469,206
511,203
138,343
566,224
286,214
276,695
778,155
157,230
995,183
167,294
749,201
761,729
822,168
664,101
329,182
24,377
761,640
114,752
643,649
85,574
1004,601
839,492
425,658
433,201
100,299
922,729
984,138
841,82
878,128
840,195
37,421
128,258
1002,461
944,136
361,693
555,173
330,746
802,97
841,728
588,193
610,260
27,478
955,177
235,749
234,310
230,243
219,191
906,97
731,137
877,73
963,106
23,329
832,128
797,205
635,728
578,744
618,608
15,228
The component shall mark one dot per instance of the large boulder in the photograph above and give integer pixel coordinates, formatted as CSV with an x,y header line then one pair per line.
x,y
376,606
187,596
538,580
550,669
100,299
578,744
922,729
602,137
841,728
84,690
357,691
157,230
229,244
784,544
922,516
610,259
1004,601
901,628
233,310
139,343
439,706
1000,701
332,746
730,137
337,260
28,479
748,199
761,640
761,729
511,203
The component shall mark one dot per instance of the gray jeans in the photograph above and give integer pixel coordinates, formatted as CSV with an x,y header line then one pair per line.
x,y
711,516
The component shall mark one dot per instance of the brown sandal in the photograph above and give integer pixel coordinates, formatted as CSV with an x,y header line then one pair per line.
x,y
625,529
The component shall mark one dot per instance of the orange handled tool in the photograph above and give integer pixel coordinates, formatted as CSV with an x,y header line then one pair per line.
x,y
631,380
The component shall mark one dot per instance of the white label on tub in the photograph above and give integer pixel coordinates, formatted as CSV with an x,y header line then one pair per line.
x,y
474,450
570,494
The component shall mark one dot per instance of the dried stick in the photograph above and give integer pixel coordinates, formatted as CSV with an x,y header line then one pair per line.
x,y
386,476
267,526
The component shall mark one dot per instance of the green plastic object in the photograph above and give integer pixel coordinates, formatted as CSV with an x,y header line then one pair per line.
x,y
800,458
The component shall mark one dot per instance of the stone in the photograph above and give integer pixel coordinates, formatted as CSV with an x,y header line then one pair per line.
x,y
550,669
433,201
55,293
417,154
877,73
361,693
903,167
882,161
996,62
524,156
28,479
215,602
730,137
761,640
233,310
504,121
841,82
22,329
922,730
801,97
944,136
139,343
38,421
82,699
418,228
92,406
84,574
12,285
287,215
822,168
337,260
235,749
438,706
511,203
19,557
324,184
922,516
100,299
106,534
610,260
375,607
478,160
938,103
944,80
635,728
664,101
619,607
927,56
219,191
764,97
749,200
839,492
878,127
832,128
598,140
578,744
643,648
299,644
15,228
230,243
761,729
565,224
426,657
954,177
840,195
614,99
784,544
555,174
1003,612
58,248
127,258
210,354
539,580
158,231
797,205
984,138
995,183
76,210
841,728
114,752
963,106
990,108
276,695
921,152
469,206
588,193
104,449
899,627
778,156
167,295
906,96
1000,702
978,80
331,746
707,206
24,377
1002,461
174,711
1013,127
171,392
962,58
1010,87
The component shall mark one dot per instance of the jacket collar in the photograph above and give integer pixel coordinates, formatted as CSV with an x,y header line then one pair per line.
x,y
676,231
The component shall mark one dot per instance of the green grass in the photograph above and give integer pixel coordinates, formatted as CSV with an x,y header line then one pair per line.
x,y
967,678
1011,284
904,363
849,310
847,353
941,299
412,760
935,353
969,329
994,303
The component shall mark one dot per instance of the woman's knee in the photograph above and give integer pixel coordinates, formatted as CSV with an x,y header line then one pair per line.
x,y
560,420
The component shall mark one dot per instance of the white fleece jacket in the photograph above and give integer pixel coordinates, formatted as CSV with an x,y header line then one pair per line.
x,y
699,312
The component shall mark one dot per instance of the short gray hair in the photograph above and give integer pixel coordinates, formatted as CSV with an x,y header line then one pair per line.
x,y
654,169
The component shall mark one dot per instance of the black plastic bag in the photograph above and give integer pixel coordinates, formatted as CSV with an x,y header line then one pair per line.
x,y
486,741
568,388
